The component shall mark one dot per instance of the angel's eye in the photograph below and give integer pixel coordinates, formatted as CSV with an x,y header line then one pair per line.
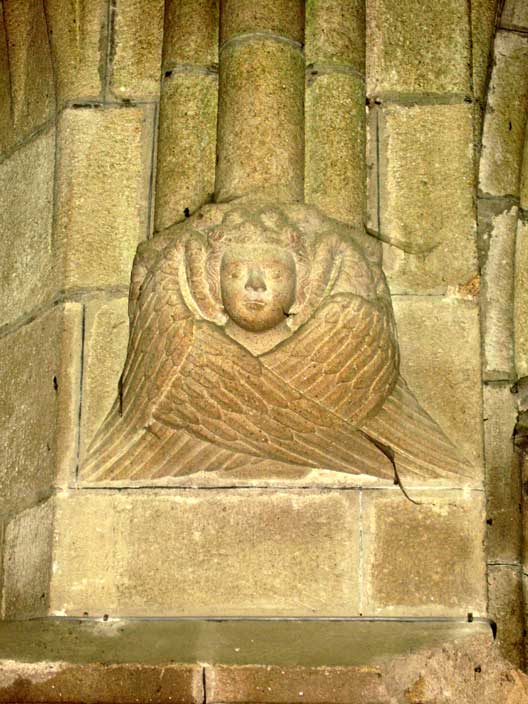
x,y
235,273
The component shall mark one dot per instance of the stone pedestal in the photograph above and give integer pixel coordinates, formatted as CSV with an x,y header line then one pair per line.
x,y
255,661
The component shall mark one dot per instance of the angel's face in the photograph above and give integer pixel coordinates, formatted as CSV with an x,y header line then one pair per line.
x,y
257,285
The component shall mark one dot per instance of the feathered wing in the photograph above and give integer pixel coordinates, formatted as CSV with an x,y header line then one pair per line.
x,y
131,444
160,337
346,358
193,399
227,397
421,449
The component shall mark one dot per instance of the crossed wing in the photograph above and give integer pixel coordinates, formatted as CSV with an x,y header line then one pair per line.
x,y
345,358
194,399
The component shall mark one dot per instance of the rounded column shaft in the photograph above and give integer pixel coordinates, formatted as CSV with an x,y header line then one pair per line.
x,y
260,110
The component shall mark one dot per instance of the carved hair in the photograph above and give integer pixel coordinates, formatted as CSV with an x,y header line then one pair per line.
x,y
268,226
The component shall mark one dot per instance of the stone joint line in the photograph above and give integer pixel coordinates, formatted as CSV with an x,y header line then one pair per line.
x,y
315,69
269,36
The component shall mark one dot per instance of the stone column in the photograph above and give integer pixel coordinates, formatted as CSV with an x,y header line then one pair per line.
x,y
335,108
260,113
188,105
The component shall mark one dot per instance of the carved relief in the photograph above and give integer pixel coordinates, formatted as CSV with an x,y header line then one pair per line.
x,y
260,334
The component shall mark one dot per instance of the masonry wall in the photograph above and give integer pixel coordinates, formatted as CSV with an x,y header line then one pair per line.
x,y
108,130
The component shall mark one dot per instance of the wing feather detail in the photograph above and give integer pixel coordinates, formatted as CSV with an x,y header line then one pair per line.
x,y
345,358
270,420
420,446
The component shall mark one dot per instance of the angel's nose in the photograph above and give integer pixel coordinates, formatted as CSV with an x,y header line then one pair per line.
x,y
255,280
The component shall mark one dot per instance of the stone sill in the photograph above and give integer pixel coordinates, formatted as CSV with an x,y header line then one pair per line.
x,y
215,660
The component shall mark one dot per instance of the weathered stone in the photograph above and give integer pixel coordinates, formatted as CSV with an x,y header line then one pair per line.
x,y
214,552
102,192
282,17
26,214
32,99
6,126
524,178
77,37
497,225
505,607
417,48
502,475
335,146
27,563
191,33
371,163
335,32
424,558
2,555
106,339
94,683
40,380
515,15
440,360
186,146
521,300
483,18
505,122
465,670
136,48
426,209
301,642
470,672
272,684
260,127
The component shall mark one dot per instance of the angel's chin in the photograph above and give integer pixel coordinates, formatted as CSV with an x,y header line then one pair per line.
x,y
255,324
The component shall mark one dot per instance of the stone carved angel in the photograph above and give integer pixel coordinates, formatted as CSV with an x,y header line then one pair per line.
x,y
263,335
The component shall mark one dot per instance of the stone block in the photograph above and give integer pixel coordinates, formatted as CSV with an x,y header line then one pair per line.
x,y
40,381
282,17
505,607
502,475
213,552
261,114
483,18
521,300
505,122
440,360
497,229
32,99
78,45
6,126
269,684
95,683
27,563
102,192
2,553
426,186
524,178
190,33
418,48
335,146
26,215
105,346
335,33
136,49
186,145
424,558
515,15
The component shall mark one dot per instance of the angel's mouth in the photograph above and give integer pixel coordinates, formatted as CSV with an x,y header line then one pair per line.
x,y
255,303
